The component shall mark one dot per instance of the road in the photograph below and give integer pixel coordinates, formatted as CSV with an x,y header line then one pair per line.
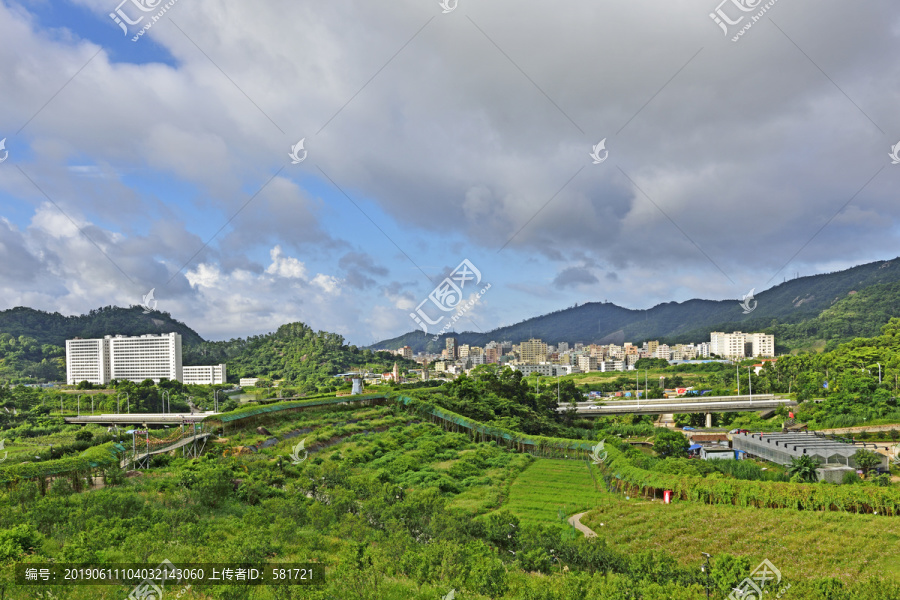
x,y
575,520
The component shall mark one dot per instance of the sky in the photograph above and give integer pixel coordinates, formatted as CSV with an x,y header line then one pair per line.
x,y
533,155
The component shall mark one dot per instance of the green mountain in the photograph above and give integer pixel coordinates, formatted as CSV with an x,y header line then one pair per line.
x,y
295,353
55,329
803,312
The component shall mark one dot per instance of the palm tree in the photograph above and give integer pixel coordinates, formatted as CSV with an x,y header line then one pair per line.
x,y
804,467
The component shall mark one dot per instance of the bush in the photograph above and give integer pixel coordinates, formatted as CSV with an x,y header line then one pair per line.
x,y
851,478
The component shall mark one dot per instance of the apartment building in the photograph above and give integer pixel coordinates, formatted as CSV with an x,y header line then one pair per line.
x,y
533,351
587,363
741,345
663,351
761,345
452,348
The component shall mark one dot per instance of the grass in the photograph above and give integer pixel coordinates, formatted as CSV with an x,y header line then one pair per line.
x,y
549,486
802,545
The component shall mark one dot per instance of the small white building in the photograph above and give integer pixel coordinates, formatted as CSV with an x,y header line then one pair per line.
x,y
249,381
204,375
716,453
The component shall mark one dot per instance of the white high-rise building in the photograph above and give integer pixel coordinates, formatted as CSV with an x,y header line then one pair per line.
x,y
204,375
145,357
740,345
761,344
134,358
87,360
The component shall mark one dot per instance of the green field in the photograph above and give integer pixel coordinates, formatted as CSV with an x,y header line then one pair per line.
x,y
548,487
803,545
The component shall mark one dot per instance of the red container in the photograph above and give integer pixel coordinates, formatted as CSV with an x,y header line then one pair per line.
x,y
667,496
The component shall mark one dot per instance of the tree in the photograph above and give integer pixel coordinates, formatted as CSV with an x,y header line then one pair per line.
x,y
867,460
669,444
804,468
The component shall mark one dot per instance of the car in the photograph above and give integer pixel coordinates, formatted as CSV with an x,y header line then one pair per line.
x,y
688,429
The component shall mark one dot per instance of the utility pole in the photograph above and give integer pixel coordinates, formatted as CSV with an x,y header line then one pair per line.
x,y
750,381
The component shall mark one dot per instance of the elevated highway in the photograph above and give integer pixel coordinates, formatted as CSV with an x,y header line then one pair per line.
x,y
140,418
690,404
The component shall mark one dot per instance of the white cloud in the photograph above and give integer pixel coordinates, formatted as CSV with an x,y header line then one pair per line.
x,y
285,266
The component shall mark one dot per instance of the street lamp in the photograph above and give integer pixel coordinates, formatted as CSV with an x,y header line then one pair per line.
x,y
537,381
167,396
216,397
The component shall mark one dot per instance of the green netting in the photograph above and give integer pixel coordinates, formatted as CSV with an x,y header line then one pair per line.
x,y
246,413
99,456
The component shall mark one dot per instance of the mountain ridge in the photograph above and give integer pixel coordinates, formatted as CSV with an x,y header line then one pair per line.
x,y
788,303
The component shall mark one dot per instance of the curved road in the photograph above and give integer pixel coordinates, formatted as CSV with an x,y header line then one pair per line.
x,y
575,520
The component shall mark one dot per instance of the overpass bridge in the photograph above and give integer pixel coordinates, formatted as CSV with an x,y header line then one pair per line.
x,y
690,404
139,418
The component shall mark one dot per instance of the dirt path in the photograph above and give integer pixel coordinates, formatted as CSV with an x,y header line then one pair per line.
x,y
575,520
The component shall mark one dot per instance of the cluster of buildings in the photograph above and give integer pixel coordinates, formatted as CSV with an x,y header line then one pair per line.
x,y
134,358
535,356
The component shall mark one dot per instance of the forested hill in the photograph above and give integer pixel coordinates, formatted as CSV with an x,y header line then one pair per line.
x,y
294,353
795,302
55,329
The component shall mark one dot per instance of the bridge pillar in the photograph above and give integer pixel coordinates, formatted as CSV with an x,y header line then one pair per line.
x,y
709,419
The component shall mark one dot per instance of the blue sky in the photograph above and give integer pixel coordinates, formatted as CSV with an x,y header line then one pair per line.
x,y
163,163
